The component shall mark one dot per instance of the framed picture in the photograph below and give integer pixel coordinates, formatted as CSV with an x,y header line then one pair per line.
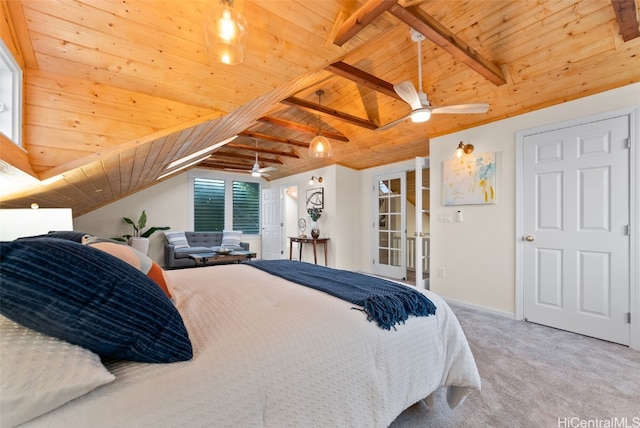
x,y
469,180
315,198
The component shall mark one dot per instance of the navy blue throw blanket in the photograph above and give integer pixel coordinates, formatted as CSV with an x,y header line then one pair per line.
x,y
386,302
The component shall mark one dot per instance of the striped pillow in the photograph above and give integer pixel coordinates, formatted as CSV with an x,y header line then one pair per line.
x,y
177,239
231,238
132,256
87,297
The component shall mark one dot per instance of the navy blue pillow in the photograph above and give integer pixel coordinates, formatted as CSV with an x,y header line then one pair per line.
x,y
70,235
89,298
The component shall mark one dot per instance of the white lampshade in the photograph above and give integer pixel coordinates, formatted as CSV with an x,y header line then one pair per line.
x,y
225,33
17,223
320,147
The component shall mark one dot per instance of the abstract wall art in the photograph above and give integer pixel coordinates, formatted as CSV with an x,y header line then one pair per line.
x,y
469,180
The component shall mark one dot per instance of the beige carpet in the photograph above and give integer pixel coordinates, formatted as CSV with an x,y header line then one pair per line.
x,y
536,376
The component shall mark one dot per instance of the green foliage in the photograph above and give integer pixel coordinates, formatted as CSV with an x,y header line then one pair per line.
x,y
315,213
138,226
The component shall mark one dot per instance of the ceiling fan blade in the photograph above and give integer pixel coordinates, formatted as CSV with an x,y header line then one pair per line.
x,y
267,169
394,123
408,93
461,108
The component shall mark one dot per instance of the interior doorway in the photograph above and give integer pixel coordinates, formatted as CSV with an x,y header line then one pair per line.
x,y
291,216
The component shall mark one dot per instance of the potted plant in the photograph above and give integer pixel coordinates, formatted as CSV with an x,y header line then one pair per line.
x,y
314,213
140,240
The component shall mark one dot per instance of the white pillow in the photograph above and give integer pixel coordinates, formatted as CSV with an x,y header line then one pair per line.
x,y
177,239
39,373
231,238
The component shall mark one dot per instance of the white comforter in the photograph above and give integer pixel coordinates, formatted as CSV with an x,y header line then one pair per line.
x,y
271,353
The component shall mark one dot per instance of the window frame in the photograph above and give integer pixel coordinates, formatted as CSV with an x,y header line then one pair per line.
x,y
228,194
9,66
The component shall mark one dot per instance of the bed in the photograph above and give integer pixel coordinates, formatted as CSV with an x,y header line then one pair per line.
x,y
269,352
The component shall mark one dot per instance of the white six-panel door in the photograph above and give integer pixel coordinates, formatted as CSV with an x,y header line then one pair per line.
x,y
575,222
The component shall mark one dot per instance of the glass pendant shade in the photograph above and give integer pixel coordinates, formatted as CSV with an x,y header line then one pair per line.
x,y
225,32
320,147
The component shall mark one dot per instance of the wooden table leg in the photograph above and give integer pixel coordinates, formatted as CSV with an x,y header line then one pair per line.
x,y
315,256
290,249
325,252
300,248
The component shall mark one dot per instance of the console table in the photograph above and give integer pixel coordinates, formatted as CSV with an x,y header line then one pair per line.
x,y
314,241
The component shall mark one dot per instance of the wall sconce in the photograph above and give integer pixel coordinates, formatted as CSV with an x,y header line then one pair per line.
x,y
464,148
313,177
320,146
225,33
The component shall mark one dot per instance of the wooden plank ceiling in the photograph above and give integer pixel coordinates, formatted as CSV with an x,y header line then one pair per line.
x,y
117,90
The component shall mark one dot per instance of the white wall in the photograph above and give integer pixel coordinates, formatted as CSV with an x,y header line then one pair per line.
x,y
340,220
479,254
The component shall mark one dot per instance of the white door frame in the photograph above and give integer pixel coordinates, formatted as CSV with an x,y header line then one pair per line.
x,y
420,257
634,207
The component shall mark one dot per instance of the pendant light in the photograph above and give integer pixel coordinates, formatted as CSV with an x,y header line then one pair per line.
x,y
320,146
225,33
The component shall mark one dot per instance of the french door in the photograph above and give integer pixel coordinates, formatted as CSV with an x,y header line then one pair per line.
x,y
422,216
389,225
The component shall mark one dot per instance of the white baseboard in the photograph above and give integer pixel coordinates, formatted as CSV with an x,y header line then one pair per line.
x,y
480,308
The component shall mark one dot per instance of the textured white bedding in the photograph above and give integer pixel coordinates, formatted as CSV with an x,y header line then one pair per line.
x,y
271,353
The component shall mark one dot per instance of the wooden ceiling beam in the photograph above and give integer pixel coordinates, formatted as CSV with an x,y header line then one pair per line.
x,y
627,16
426,25
262,150
234,155
362,78
329,112
360,19
221,163
302,128
274,139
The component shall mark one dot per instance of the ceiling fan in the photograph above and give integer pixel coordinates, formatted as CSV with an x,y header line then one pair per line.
x,y
421,109
256,171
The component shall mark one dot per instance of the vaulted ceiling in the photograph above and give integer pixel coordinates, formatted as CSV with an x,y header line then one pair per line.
x,y
115,90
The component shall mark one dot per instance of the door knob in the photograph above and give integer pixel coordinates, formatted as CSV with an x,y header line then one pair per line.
x,y
529,238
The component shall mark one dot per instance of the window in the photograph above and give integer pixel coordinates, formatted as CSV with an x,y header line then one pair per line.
x,y
246,207
208,205
10,96
220,204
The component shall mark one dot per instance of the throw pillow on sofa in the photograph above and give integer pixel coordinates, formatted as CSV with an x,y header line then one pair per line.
x,y
177,239
231,238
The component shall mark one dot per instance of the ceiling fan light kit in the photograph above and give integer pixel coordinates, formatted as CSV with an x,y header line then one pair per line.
x,y
320,147
225,33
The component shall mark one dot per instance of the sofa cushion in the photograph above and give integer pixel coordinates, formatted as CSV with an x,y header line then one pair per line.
x,y
183,253
204,239
177,239
231,238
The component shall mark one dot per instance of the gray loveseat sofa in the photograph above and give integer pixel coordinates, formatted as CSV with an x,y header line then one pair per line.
x,y
178,247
